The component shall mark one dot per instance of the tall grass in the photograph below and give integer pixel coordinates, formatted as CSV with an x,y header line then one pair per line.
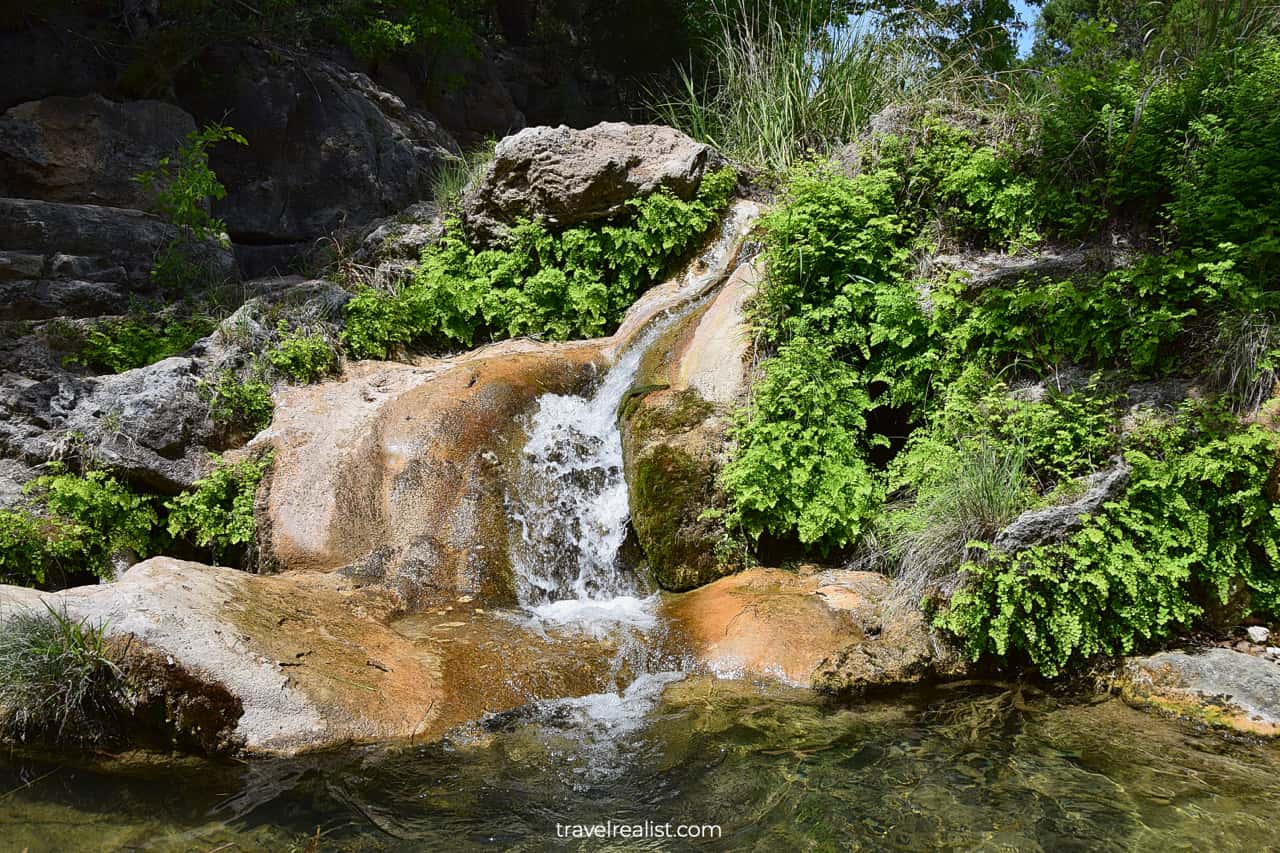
x,y
1246,354
452,177
776,90
58,681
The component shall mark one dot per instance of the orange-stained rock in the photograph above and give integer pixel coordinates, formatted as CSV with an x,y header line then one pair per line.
x,y
830,630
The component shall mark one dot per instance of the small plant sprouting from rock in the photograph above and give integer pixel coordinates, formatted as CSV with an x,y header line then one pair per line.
x,y
302,357
186,186
121,345
60,680
217,512
238,403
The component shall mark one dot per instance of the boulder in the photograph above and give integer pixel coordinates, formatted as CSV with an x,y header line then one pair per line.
x,y
225,660
327,147
1217,687
1056,523
86,150
831,630
397,473
566,176
675,436
85,260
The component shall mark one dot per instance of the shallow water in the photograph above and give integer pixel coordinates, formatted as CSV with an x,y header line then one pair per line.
x,y
776,769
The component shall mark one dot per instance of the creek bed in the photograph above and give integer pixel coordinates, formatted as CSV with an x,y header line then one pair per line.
x,y
776,768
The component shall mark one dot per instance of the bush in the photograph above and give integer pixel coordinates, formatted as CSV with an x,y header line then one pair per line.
x,y
217,512
240,403
574,284
303,357
77,528
122,345
60,681
1196,516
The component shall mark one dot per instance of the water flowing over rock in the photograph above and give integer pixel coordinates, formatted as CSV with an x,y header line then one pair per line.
x,y
567,176
87,150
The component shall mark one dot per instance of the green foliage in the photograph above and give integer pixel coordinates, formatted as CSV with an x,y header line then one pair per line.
x,y
217,512
60,680
121,345
454,175
572,284
378,29
186,185
1195,516
239,401
302,357
75,526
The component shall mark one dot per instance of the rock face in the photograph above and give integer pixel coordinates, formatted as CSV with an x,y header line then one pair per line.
x,y
83,260
1055,523
268,664
86,150
396,472
327,147
568,176
675,437
1218,687
830,630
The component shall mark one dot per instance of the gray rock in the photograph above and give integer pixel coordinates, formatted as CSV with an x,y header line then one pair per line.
x,y
1258,634
1055,523
84,260
1216,686
327,147
568,176
86,150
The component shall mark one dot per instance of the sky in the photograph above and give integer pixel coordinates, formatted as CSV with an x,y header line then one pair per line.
x,y
1028,14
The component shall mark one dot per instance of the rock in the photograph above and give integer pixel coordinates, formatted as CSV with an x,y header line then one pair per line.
x,y
386,251
1217,687
266,664
327,147
387,471
1055,523
830,630
1258,635
86,150
148,424
568,176
675,439
1273,652
84,260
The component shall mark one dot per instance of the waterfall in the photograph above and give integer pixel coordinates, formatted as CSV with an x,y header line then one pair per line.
x,y
570,507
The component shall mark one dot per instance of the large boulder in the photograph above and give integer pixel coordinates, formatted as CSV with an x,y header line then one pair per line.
x,y
1055,523
1218,687
568,176
86,150
85,260
832,630
398,473
327,147
675,436
220,660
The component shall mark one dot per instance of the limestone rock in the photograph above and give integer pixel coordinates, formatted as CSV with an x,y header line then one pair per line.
x,y
568,176
1219,687
830,630
327,147
1055,523
276,664
86,150
675,437
84,260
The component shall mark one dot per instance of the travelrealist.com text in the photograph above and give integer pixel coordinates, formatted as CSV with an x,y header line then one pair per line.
x,y
634,829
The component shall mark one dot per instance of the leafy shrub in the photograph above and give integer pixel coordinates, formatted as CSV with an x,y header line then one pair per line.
x,y
76,527
241,403
217,512
572,284
1195,516
60,681
303,357
127,344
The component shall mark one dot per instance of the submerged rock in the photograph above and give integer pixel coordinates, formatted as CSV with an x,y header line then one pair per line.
x,y
1218,687
830,630
568,176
